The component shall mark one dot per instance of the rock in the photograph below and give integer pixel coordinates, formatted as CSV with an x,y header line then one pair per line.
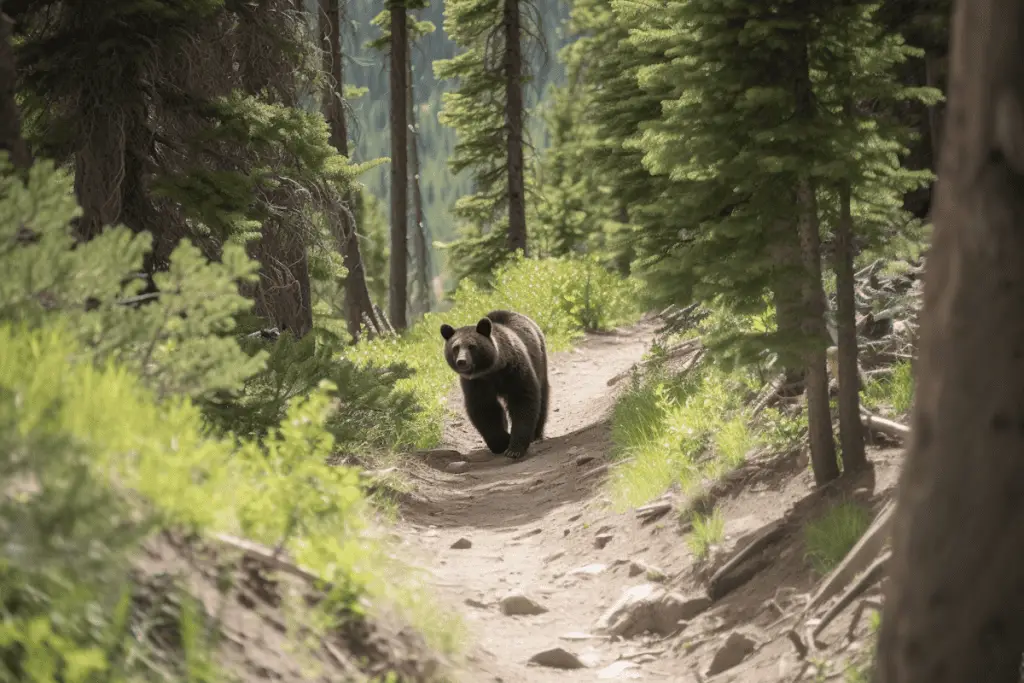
x,y
527,534
462,544
557,658
643,608
736,647
553,556
517,604
650,572
473,602
582,460
618,669
694,605
588,570
457,467
601,540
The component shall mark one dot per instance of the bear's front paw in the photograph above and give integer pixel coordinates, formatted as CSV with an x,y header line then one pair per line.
x,y
515,453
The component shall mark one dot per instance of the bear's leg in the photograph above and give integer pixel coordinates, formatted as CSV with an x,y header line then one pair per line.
x,y
542,419
486,414
524,411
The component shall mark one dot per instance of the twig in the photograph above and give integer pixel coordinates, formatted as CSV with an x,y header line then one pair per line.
x,y
887,427
268,557
870,577
774,531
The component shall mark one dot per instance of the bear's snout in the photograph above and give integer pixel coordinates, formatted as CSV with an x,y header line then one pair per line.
x,y
462,361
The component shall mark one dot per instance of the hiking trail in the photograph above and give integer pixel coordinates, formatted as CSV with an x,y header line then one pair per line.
x,y
542,528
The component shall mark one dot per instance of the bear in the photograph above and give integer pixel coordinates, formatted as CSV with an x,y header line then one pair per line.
x,y
504,356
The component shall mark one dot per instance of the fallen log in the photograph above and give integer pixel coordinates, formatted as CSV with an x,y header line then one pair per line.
x,y
891,429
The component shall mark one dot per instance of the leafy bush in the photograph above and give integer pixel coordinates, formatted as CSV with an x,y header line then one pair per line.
x,y
565,296
103,438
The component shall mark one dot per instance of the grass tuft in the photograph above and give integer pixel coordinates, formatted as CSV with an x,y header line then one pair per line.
x,y
830,537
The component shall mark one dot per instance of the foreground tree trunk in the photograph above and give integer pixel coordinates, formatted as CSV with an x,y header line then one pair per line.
x,y
514,124
399,285
955,609
357,293
10,118
851,431
421,250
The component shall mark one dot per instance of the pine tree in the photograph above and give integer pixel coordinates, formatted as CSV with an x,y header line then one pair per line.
x,y
749,146
421,249
346,225
399,72
488,115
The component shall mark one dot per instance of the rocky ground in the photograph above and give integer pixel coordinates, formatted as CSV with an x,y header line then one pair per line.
x,y
556,586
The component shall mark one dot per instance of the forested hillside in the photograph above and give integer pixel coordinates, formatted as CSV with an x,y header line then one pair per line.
x,y
509,341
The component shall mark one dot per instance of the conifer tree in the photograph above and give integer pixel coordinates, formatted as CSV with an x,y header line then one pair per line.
x,y
357,295
489,118
399,72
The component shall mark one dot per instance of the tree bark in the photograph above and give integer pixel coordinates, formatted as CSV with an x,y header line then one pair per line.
x,y
851,431
955,610
357,293
815,334
10,117
398,287
514,124
421,250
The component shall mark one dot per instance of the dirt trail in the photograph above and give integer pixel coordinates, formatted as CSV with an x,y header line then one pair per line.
x,y
543,527
520,515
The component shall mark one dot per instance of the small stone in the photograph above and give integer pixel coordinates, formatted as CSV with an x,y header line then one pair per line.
x,y
588,570
641,609
462,544
557,658
582,460
553,556
736,647
618,669
601,540
517,604
650,572
457,467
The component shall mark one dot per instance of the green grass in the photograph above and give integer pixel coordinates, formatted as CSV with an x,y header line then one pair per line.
x,y
894,392
830,537
678,431
707,531
564,297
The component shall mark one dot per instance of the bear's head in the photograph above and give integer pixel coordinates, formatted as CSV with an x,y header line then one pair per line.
x,y
470,350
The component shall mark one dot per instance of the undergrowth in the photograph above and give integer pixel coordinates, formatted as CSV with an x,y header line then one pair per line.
x,y
707,530
892,393
115,424
565,296
830,537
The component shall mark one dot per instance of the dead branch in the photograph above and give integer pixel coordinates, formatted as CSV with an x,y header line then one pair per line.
x,y
872,575
268,557
879,424
717,586
767,394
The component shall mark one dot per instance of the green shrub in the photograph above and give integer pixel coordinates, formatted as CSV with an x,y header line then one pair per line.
x,y
104,439
565,296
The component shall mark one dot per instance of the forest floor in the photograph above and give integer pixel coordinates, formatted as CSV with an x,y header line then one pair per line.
x,y
540,535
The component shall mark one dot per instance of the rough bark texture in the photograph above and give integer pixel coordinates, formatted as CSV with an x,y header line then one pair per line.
x,y
10,117
514,123
357,293
955,609
851,431
819,418
398,287
421,250
283,294
786,295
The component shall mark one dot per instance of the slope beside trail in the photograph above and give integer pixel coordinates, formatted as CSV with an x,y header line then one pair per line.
x,y
527,521
543,527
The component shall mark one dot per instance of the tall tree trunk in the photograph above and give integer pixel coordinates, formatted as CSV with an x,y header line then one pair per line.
x,y
514,124
421,251
10,118
398,287
787,297
955,610
936,65
851,431
357,293
815,334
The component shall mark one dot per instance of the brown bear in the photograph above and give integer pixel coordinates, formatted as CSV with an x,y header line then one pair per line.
x,y
503,356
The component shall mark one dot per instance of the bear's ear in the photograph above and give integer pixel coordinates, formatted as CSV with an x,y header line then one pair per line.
x,y
484,327
447,331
